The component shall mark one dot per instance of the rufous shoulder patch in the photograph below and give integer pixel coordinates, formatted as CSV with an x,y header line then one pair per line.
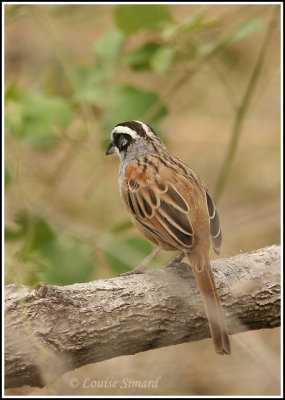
x,y
135,172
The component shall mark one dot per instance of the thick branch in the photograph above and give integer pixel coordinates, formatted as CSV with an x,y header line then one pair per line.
x,y
54,329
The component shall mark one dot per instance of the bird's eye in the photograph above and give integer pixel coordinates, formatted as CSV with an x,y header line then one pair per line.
x,y
123,141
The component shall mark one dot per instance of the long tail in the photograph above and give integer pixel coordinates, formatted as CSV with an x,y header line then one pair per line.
x,y
211,300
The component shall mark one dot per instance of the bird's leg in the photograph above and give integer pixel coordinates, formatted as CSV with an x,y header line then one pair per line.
x,y
176,259
141,268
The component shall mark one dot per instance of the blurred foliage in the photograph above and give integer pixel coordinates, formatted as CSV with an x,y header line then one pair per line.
x,y
49,256
131,18
136,248
40,120
7,175
72,72
31,117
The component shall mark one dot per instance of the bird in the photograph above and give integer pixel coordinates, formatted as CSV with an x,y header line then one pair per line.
x,y
171,206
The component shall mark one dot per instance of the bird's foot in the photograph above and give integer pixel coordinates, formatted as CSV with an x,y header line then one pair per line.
x,y
140,269
176,260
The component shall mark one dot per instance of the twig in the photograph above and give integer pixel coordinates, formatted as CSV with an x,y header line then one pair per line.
x,y
243,108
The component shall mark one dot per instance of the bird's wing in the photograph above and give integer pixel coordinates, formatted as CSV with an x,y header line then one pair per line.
x,y
157,205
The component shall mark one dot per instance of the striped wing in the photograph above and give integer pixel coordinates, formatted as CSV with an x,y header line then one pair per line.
x,y
158,207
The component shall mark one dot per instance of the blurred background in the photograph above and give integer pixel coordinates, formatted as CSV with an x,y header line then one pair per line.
x,y
207,79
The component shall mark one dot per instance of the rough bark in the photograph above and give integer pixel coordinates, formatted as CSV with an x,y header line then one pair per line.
x,y
53,329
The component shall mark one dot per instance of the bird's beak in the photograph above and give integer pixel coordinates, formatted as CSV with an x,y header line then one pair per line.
x,y
110,150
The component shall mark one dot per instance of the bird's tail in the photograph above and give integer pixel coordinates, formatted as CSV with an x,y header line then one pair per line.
x,y
211,300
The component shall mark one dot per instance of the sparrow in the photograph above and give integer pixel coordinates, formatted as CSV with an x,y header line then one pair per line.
x,y
171,206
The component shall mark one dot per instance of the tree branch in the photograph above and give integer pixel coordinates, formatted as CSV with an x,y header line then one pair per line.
x,y
53,329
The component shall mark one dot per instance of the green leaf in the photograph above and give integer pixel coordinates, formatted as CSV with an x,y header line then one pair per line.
x,y
245,30
12,92
162,60
126,253
109,46
93,82
36,230
65,259
13,234
91,85
129,103
33,117
141,58
132,18
40,115
69,261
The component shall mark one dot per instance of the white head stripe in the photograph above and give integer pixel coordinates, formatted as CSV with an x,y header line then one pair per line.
x,y
132,132
123,129
147,129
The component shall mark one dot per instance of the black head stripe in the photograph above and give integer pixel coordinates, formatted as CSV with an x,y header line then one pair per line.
x,y
137,127
122,141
